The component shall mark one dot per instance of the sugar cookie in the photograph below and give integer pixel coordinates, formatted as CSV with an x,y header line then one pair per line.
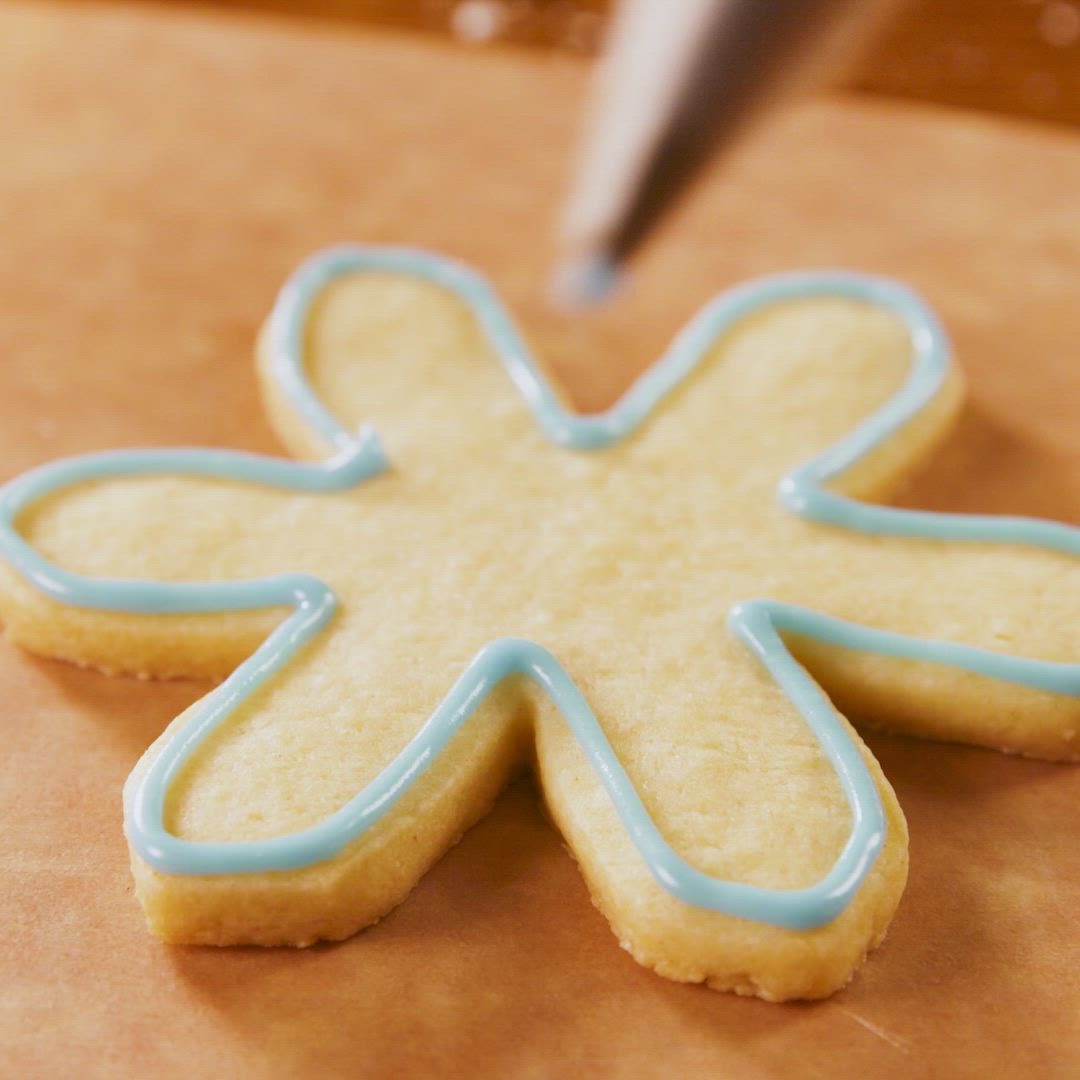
x,y
415,614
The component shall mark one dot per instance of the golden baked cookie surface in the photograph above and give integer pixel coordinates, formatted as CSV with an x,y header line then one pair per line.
x,y
624,564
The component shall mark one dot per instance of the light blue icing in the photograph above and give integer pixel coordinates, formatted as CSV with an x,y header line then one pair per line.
x,y
357,457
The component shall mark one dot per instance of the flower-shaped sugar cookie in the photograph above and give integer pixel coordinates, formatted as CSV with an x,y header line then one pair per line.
x,y
645,603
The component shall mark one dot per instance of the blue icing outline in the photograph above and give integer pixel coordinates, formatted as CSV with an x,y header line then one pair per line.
x,y
358,457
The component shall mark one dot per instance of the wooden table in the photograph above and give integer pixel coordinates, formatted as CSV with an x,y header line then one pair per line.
x,y
161,173
1018,57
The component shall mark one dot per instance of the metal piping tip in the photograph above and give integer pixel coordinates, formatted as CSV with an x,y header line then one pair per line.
x,y
584,282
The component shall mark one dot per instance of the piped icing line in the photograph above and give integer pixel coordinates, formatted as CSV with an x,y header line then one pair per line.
x,y
349,467
748,618
757,623
794,909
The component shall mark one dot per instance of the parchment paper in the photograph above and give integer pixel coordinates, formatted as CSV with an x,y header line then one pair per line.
x,y
161,172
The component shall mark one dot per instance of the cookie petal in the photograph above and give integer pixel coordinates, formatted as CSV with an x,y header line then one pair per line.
x,y
751,816
131,561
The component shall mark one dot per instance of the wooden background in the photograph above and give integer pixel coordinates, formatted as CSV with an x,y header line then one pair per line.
x,y
1010,56
164,167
